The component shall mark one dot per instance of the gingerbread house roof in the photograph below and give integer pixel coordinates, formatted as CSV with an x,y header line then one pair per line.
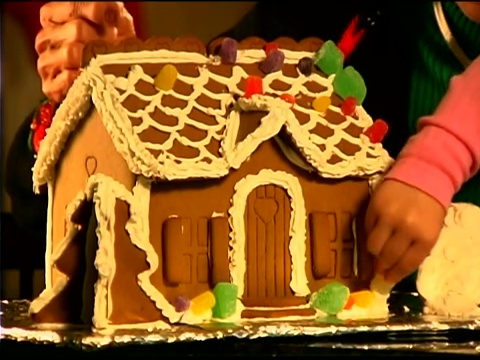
x,y
191,130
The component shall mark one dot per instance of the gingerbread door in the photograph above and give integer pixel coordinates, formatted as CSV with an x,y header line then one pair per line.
x,y
269,263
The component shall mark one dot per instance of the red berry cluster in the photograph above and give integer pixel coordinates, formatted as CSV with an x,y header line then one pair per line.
x,y
41,122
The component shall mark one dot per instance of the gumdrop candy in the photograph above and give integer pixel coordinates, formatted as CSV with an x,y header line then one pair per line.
x,y
165,80
350,302
253,85
349,82
305,66
363,298
288,98
270,46
225,300
45,113
202,303
377,131
331,298
349,106
228,51
321,103
329,58
273,62
181,303
39,133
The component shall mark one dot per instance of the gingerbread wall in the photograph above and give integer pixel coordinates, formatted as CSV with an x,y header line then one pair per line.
x,y
89,151
21,87
191,237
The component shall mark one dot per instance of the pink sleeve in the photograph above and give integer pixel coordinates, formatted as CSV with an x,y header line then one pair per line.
x,y
445,152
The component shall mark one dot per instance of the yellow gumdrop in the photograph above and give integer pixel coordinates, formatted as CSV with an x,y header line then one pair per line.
x,y
202,303
321,103
166,78
363,298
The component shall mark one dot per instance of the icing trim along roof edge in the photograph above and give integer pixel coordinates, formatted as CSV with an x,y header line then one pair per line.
x,y
94,85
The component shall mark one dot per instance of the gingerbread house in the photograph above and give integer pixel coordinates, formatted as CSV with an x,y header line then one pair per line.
x,y
157,194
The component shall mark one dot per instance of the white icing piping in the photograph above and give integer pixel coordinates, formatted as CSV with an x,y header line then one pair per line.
x,y
138,228
292,155
107,192
72,229
297,246
47,295
273,308
66,119
271,124
104,191
103,90
105,263
49,239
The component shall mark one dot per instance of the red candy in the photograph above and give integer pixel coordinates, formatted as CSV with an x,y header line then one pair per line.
x,y
377,131
38,136
41,123
253,85
269,47
288,98
349,106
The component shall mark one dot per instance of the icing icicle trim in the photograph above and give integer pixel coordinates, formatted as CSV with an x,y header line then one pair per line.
x,y
108,92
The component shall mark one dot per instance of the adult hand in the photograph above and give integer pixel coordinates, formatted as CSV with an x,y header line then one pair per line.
x,y
403,224
66,28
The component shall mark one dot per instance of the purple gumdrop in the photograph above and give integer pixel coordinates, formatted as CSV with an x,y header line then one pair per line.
x,y
305,66
228,51
181,303
273,62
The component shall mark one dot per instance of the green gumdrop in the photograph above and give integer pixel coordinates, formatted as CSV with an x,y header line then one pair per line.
x,y
226,300
349,82
329,58
330,299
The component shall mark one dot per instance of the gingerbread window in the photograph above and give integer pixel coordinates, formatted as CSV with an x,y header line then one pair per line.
x,y
332,244
185,250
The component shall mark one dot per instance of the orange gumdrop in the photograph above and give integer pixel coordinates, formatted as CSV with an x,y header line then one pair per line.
x,y
202,303
363,298
321,103
165,80
350,302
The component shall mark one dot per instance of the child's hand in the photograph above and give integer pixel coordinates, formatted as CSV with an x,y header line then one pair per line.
x,y
66,28
403,224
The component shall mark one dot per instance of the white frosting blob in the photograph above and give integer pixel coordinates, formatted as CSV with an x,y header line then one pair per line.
x,y
449,278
